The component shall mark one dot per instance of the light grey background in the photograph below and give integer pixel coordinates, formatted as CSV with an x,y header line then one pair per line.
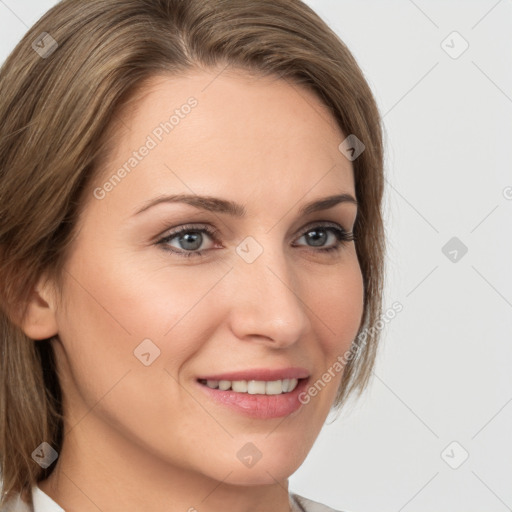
x,y
444,370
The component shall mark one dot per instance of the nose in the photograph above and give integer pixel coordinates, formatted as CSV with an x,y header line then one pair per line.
x,y
267,302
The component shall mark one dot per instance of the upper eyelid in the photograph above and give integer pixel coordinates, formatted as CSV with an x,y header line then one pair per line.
x,y
211,230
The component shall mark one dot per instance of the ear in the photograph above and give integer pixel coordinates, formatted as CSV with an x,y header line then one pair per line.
x,y
40,321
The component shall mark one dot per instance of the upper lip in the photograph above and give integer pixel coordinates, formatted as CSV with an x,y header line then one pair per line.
x,y
266,374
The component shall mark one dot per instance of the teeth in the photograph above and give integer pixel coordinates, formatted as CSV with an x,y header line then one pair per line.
x,y
255,387
240,386
224,385
274,387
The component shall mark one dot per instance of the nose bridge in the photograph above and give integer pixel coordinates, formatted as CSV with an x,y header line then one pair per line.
x,y
267,300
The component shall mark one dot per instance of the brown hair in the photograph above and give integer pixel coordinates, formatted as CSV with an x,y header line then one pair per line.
x,y
55,112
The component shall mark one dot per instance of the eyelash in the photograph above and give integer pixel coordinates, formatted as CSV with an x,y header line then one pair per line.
x,y
342,236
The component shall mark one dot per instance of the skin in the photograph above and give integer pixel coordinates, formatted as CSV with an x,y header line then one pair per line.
x,y
146,437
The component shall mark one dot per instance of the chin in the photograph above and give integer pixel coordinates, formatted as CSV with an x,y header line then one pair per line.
x,y
274,464
261,475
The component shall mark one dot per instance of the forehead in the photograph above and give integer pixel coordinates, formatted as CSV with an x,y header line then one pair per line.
x,y
214,133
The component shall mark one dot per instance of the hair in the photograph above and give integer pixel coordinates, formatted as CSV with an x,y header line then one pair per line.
x,y
55,115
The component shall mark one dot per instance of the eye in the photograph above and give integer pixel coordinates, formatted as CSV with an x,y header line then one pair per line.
x,y
190,240
327,237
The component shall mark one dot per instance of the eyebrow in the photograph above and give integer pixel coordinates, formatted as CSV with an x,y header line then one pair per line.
x,y
218,205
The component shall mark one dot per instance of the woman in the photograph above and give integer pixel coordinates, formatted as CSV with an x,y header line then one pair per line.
x,y
191,252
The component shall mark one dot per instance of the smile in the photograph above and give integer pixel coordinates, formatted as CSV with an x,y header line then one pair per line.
x,y
253,387
259,393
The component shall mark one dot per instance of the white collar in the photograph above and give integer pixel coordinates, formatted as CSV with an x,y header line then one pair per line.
x,y
42,502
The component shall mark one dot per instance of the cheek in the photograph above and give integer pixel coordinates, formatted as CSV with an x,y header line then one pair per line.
x,y
111,307
114,304
336,301
337,304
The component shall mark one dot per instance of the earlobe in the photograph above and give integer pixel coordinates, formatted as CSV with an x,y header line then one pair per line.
x,y
40,321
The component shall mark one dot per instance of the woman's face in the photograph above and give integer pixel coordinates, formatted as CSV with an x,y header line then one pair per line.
x,y
158,299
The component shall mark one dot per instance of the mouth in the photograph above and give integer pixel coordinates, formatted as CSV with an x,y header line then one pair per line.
x,y
262,394
253,387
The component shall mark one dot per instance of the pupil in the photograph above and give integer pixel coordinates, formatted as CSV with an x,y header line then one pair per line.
x,y
191,241
318,237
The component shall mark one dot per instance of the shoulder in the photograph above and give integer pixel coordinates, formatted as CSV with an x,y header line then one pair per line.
x,y
301,504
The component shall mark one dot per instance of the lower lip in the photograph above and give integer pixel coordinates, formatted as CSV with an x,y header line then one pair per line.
x,y
258,406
